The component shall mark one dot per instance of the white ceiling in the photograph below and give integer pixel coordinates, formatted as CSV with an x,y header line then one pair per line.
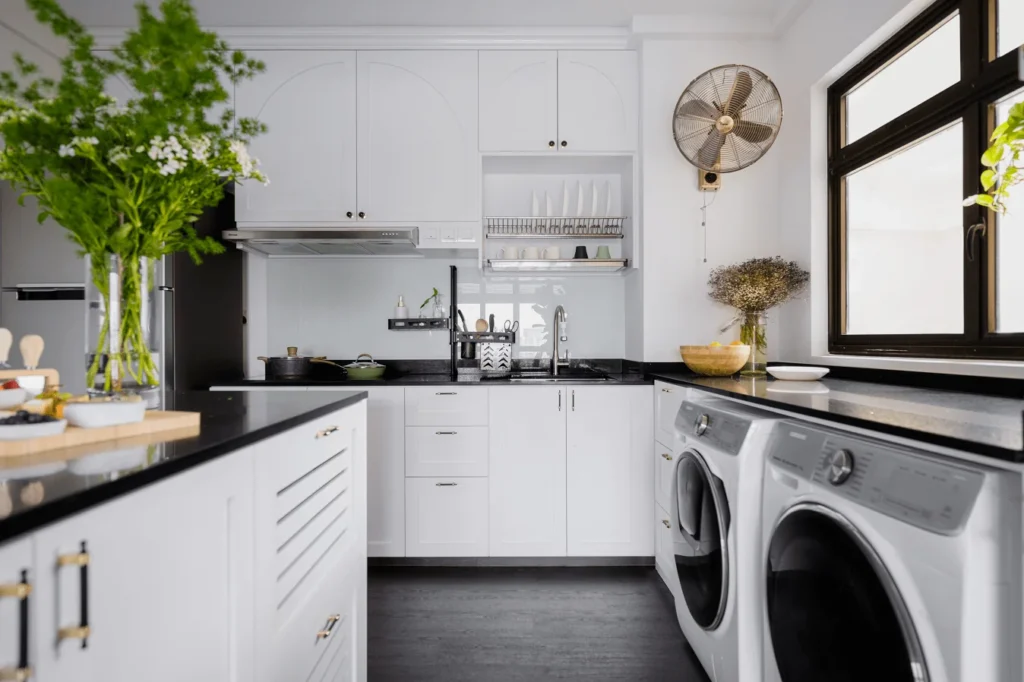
x,y
490,13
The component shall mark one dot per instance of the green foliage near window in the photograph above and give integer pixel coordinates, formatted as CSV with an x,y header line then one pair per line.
x,y
1002,162
128,178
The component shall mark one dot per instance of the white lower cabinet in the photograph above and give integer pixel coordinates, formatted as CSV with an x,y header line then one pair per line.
x,y
667,399
446,517
610,472
446,451
167,592
527,471
664,553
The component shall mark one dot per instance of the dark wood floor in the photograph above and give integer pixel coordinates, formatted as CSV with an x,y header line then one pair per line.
x,y
532,624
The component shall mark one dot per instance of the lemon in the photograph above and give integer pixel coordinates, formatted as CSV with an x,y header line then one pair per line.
x,y
714,344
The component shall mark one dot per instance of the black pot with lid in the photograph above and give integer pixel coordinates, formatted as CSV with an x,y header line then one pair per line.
x,y
292,365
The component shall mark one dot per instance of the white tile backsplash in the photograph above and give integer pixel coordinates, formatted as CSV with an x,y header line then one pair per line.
x,y
340,308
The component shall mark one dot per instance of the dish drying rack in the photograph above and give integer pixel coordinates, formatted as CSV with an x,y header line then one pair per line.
x,y
567,227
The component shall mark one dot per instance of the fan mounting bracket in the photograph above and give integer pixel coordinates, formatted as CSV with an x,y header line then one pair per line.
x,y
709,180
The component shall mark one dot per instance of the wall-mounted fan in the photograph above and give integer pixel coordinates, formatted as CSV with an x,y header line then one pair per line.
x,y
726,119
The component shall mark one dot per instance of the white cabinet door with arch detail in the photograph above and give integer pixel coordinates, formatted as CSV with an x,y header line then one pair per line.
x,y
308,101
418,147
597,101
518,101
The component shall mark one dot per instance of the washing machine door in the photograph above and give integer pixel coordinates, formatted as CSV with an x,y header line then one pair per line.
x,y
834,611
701,553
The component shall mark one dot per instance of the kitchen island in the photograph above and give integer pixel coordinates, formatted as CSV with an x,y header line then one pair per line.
x,y
235,554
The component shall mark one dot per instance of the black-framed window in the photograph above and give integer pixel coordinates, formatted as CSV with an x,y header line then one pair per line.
x,y
911,270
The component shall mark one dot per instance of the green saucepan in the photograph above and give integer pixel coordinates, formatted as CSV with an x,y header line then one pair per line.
x,y
365,369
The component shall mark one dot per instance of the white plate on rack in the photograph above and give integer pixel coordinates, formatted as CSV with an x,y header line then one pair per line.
x,y
787,373
23,431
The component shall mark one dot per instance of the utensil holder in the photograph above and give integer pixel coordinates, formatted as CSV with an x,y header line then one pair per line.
x,y
496,357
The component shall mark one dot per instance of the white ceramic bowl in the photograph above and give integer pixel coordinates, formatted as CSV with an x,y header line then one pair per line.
x,y
12,397
92,415
23,431
786,373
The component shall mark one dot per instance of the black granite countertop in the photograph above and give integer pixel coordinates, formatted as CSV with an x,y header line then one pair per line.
x,y
985,425
425,380
33,495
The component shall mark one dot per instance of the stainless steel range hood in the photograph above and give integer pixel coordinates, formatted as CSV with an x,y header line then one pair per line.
x,y
328,242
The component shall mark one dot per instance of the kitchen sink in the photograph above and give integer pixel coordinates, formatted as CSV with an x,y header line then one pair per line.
x,y
548,378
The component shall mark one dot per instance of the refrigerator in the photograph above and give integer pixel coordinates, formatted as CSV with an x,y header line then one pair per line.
x,y
200,325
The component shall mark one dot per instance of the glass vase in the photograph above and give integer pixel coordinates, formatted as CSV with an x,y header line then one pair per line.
x,y
120,299
754,333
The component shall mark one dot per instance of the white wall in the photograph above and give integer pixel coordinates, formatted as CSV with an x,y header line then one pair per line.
x,y
828,38
742,221
340,308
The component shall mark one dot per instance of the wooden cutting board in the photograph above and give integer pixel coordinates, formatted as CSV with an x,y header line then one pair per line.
x,y
154,422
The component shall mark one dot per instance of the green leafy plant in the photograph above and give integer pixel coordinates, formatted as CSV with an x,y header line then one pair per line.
x,y
1002,162
432,297
128,179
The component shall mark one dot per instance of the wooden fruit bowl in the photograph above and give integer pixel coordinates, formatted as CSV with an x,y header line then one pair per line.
x,y
715,361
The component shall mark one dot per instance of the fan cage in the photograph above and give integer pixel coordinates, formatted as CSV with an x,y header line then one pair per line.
x,y
712,88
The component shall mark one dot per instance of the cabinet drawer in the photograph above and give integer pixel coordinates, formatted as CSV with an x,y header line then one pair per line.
x,y
446,517
445,406
446,451
667,399
663,551
306,447
320,629
664,471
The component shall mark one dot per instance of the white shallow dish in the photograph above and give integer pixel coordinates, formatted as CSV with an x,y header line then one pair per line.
x,y
98,414
786,373
12,397
23,431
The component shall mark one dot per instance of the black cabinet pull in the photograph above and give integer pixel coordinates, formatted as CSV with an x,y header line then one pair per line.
x,y
564,143
19,591
551,143
349,214
362,215
80,631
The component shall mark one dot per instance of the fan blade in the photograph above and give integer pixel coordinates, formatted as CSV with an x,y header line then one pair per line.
x,y
707,155
753,132
698,108
741,90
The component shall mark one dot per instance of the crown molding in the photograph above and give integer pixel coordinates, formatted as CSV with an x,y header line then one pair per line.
x,y
405,37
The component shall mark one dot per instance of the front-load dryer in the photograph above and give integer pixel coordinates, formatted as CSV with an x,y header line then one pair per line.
x,y
885,564
716,532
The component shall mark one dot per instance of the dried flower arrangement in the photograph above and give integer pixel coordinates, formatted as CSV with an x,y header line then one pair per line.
x,y
758,284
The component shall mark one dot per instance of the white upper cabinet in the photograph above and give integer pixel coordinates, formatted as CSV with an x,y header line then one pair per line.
x,y
418,147
610,471
534,101
308,101
518,101
527,471
598,100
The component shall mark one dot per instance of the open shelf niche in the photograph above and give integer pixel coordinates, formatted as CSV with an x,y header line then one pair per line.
x,y
511,225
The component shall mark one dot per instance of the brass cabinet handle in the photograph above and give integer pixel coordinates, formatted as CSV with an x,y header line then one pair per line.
x,y
326,432
667,456
667,524
19,591
332,620
80,631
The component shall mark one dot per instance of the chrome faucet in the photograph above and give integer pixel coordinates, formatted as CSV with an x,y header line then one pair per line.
x,y
559,330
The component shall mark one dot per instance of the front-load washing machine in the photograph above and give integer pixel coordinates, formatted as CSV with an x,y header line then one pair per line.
x,y
716,531
885,564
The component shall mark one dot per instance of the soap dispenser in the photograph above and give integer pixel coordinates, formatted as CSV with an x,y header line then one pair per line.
x,y
401,312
